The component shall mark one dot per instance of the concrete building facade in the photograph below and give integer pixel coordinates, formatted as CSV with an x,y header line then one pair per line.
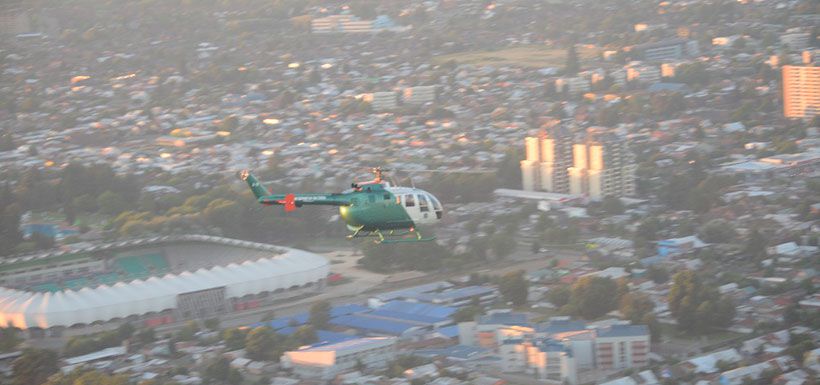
x,y
324,362
801,91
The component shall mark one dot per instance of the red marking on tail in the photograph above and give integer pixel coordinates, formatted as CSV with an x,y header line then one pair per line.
x,y
289,202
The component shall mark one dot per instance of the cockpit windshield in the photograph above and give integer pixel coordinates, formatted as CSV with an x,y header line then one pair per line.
x,y
436,204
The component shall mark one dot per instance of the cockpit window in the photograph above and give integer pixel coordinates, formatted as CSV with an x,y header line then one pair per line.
x,y
436,204
409,200
423,205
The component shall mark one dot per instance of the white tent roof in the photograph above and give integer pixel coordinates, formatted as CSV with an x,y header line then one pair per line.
x,y
25,309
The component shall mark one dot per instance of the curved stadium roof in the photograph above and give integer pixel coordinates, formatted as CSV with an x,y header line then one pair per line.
x,y
26,309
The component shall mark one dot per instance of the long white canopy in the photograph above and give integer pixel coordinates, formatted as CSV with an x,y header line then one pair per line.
x,y
25,309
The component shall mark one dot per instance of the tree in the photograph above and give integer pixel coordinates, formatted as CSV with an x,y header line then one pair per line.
x,y
34,367
320,314
514,288
799,344
502,244
9,339
84,376
188,332
467,313
635,307
612,205
259,343
559,296
592,297
717,231
111,203
658,274
212,324
755,244
306,334
234,376
698,307
217,370
573,64
234,338
146,336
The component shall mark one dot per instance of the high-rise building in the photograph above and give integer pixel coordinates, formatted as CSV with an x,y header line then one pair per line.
x,y
597,166
547,160
801,91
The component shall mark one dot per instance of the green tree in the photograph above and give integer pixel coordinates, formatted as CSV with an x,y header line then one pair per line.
x,y
234,376
502,244
320,314
306,334
188,332
658,274
34,367
234,338
9,339
217,371
612,205
467,313
717,231
212,324
111,203
259,343
755,244
514,288
592,297
146,336
559,296
635,307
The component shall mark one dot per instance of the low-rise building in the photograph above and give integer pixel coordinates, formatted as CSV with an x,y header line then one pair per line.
x,y
325,361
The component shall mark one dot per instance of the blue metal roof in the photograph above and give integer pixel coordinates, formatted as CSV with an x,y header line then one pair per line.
x,y
550,345
455,294
561,326
283,322
347,309
376,325
506,318
424,309
624,331
414,318
449,331
302,318
412,292
323,336
346,344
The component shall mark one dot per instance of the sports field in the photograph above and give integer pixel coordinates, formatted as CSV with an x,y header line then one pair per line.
x,y
526,56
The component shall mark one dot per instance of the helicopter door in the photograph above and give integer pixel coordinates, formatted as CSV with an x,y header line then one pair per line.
x,y
436,205
424,206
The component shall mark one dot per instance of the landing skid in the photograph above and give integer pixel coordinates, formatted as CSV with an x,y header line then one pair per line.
x,y
393,236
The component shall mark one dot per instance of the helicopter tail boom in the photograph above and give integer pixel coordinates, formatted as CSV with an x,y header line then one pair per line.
x,y
258,190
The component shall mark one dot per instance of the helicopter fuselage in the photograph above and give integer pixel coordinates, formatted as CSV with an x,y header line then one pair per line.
x,y
369,207
379,207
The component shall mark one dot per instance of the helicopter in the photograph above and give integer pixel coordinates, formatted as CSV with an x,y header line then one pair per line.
x,y
373,208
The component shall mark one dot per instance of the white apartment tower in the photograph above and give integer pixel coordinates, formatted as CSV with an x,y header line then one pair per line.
x,y
546,163
596,167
